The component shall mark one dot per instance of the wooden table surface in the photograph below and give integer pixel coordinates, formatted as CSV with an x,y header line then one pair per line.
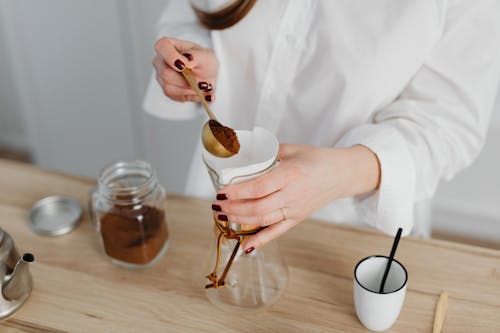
x,y
77,290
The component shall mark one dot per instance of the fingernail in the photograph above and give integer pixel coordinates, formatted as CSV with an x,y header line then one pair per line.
x,y
223,218
249,250
208,98
221,196
209,88
189,56
179,64
217,208
203,85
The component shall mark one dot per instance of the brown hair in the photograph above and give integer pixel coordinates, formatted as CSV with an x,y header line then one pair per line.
x,y
225,17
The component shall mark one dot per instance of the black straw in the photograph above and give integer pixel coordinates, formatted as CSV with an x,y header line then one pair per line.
x,y
391,257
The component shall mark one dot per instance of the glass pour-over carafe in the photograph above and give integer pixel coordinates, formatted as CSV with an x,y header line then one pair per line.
x,y
235,280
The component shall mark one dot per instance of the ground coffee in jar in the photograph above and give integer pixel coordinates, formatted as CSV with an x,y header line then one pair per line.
x,y
128,209
133,236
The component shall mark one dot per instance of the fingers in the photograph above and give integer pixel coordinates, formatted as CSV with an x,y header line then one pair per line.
x,y
205,86
175,86
252,207
286,150
257,188
180,94
172,54
274,216
268,234
183,46
168,75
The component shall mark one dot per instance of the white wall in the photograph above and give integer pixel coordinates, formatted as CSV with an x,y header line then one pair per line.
x,y
12,130
72,77
66,56
77,71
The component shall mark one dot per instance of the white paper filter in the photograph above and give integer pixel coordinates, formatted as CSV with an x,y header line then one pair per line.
x,y
258,151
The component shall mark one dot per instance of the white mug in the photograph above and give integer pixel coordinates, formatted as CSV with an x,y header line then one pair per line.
x,y
378,311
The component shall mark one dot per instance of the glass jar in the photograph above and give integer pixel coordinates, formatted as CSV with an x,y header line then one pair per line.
x,y
128,210
237,281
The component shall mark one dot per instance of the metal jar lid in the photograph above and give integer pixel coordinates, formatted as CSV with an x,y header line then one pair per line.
x,y
55,215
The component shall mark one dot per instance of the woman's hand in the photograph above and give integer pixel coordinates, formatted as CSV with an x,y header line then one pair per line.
x,y
172,57
307,179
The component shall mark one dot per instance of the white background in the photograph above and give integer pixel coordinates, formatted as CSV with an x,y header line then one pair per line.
x,y
72,78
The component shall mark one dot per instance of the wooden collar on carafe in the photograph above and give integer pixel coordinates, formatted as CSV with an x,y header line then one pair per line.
x,y
240,229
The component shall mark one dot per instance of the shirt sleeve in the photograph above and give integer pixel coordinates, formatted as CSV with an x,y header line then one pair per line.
x,y
177,20
438,124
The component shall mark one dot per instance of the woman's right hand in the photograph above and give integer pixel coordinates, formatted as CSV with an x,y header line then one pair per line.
x,y
172,57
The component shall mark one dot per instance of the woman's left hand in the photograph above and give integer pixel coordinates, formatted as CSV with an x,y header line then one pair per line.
x,y
307,179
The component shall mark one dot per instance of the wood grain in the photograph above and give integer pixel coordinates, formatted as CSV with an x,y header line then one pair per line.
x,y
78,290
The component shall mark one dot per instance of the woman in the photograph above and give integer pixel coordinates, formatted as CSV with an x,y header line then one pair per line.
x,y
377,100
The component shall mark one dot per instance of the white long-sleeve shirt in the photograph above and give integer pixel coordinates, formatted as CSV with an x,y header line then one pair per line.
x,y
414,81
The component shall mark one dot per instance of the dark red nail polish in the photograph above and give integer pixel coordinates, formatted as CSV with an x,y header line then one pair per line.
x,y
179,64
209,88
221,196
217,208
203,85
188,55
223,218
208,98
249,250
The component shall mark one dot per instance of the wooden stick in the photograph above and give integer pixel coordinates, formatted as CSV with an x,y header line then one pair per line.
x,y
440,313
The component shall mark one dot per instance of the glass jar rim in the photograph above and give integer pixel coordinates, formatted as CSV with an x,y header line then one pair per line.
x,y
130,193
